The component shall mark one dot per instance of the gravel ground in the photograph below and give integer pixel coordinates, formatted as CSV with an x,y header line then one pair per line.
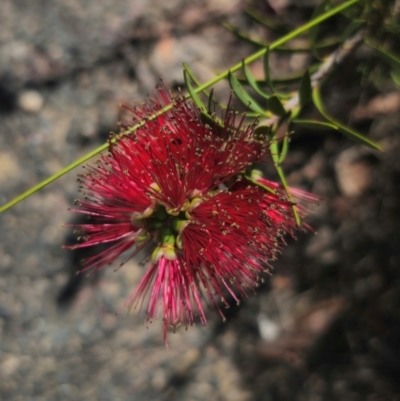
x,y
324,326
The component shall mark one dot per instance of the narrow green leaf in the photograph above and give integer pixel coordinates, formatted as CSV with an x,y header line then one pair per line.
x,y
295,112
285,146
195,97
396,77
289,195
209,95
243,96
350,132
288,79
295,76
268,22
199,103
275,106
253,82
243,35
392,59
315,124
278,153
191,74
275,157
305,90
269,79
266,70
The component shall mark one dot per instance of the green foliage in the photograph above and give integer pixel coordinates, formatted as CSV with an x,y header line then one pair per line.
x,y
195,97
305,89
253,82
244,96
282,99
286,106
275,106
268,77
388,57
349,132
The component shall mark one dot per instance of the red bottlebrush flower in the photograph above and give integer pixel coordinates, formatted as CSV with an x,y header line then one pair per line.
x,y
179,186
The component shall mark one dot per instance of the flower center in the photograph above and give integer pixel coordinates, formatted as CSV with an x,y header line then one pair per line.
x,y
165,227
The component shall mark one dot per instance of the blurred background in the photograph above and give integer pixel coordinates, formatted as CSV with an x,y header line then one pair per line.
x,y
324,326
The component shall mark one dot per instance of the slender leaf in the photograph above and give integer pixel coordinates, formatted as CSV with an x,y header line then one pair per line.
x,y
266,70
253,82
275,106
195,97
350,132
278,153
268,22
315,124
245,36
285,145
276,158
288,79
396,77
243,96
392,59
191,74
295,112
200,104
268,77
295,76
209,95
289,195
305,90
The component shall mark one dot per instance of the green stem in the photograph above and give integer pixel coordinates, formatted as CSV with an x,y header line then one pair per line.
x,y
201,88
54,177
287,190
279,42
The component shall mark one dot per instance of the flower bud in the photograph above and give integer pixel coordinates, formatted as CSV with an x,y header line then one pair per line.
x,y
156,254
179,225
169,252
